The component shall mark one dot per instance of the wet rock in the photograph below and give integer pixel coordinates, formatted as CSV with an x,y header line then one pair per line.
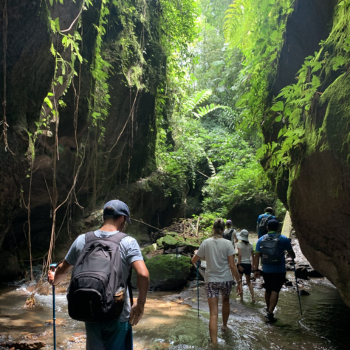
x,y
59,322
171,242
303,292
178,250
24,345
78,338
9,266
289,284
91,222
149,251
30,302
313,273
167,272
301,272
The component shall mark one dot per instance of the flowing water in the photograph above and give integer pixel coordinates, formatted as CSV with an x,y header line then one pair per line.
x,y
324,324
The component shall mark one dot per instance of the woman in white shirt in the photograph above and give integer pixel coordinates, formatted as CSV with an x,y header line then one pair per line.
x,y
219,255
245,260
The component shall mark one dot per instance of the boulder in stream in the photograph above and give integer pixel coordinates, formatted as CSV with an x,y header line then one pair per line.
x,y
167,272
171,242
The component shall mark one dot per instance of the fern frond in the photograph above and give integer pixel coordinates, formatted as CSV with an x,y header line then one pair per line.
x,y
193,101
202,111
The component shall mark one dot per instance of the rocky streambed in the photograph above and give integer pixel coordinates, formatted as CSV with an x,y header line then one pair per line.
x,y
172,321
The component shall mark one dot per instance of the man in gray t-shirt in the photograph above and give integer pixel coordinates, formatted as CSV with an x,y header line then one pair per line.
x,y
116,334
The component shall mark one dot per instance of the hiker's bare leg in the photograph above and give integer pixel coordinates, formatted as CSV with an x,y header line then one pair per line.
x,y
249,283
213,323
225,311
273,301
267,299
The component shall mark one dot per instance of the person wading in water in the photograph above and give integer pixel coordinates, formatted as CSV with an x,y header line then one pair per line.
x,y
115,334
262,221
219,255
230,234
271,248
245,260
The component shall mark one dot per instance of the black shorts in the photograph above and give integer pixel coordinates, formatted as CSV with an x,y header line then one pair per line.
x,y
274,281
247,269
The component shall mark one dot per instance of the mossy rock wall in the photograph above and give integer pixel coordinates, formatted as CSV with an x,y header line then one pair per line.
x,y
319,192
167,272
315,185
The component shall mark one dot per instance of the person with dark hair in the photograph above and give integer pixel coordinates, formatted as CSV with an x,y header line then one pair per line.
x,y
271,248
245,260
230,234
115,334
219,255
261,228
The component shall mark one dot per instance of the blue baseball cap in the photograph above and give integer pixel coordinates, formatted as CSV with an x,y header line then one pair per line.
x,y
273,224
120,208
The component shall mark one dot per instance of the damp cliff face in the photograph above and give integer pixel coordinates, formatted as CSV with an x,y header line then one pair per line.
x,y
26,38
316,188
91,158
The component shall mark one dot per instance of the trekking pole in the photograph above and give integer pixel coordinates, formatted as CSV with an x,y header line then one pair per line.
x,y
296,282
176,268
53,268
198,287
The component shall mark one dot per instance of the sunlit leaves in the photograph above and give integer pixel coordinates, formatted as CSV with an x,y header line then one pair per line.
x,y
278,106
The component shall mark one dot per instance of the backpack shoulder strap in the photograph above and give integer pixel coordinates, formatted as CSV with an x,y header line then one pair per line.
x,y
265,237
89,237
116,238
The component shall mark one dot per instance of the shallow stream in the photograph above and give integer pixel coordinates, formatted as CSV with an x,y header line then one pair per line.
x,y
168,324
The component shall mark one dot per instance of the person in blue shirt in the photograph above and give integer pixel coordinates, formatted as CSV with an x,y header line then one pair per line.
x,y
268,213
274,272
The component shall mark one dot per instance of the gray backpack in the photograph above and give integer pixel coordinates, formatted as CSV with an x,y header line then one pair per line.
x,y
228,235
263,223
96,277
270,250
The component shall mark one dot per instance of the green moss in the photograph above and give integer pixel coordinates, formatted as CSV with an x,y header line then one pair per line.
x,y
160,243
164,266
171,242
336,124
148,249
167,271
192,243
167,242
144,256
173,234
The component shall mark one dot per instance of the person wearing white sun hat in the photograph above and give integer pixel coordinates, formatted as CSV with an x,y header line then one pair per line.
x,y
245,260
